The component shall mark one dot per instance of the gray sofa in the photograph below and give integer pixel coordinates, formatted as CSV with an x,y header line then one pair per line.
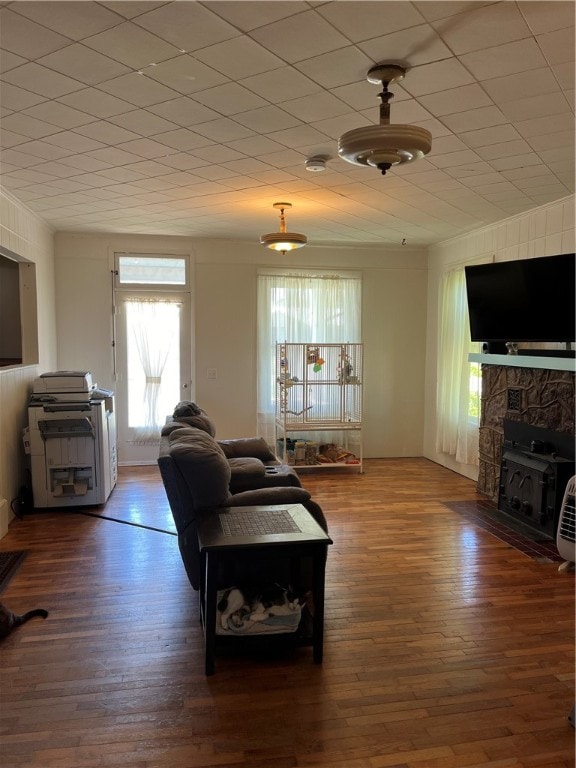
x,y
197,474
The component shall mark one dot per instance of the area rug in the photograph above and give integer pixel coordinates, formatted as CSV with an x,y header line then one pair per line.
x,y
485,515
9,564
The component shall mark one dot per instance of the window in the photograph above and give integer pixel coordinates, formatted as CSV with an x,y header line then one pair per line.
x,y
458,388
149,269
311,307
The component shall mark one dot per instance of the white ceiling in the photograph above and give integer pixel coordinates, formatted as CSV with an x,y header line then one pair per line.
x,y
193,118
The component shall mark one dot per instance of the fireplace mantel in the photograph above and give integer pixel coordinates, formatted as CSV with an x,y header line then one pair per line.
x,y
526,361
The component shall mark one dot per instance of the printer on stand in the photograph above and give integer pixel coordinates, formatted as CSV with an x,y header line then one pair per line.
x,y
71,440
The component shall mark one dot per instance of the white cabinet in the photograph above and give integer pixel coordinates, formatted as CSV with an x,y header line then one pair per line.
x,y
319,404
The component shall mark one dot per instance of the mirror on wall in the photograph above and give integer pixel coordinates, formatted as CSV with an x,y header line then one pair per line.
x,y
18,313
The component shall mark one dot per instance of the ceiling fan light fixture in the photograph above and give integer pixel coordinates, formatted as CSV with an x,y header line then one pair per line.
x,y
387,144
283,241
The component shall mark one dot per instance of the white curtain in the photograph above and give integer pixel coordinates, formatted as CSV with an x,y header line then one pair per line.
x,y
458,384
305,308
154,328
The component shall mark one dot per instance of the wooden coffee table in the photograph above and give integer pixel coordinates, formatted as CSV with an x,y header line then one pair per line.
x,y
235,533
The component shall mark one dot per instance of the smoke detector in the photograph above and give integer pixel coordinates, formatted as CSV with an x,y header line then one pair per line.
x,y
315,164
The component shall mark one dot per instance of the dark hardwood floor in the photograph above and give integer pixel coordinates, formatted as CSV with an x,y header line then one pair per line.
x,y
444,646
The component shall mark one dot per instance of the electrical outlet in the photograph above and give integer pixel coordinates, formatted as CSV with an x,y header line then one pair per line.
x,y
211,373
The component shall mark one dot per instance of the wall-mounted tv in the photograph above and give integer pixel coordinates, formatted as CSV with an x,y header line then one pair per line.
x,y
524,300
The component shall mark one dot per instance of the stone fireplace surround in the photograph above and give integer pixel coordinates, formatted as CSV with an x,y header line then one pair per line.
x,y
539,391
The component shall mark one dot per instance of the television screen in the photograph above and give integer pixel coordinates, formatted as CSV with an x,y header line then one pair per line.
x,y
523,300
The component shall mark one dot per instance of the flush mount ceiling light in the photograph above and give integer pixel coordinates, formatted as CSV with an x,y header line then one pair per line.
x,y
283,241
386,144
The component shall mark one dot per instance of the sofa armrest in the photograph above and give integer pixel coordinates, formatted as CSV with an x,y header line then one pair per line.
x,y
265,496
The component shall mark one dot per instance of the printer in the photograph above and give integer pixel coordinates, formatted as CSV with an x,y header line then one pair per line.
x,y
71,440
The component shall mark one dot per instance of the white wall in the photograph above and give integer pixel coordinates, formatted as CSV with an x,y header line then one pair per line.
x,y
545,231
224,316
24,233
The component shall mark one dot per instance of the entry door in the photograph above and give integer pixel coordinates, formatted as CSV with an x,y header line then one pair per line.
x,y
153,358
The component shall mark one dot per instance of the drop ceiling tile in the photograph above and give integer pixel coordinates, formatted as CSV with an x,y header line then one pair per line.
x,y
363,95
283,83
120,174
213,172
131,45
59,170
483,28
15,98
30,176
515,161
267,119
319,106
299,136
73,19
183,139
552,140
284,158
364,20
438,9
247,165
85,163
445,144
218,154
493,135
183,161
42,81
519,56
223,130
186,74
546,104
504,149
558,46
462,99
150,169
142,122
73,141
58,114
336,68
453,159
11,139
417,45
436,77
18,158
147,148
131,8
25,38
114,156
230,99
9,60
188,26
299,37
183,112
138,89
240,57
544,126
96,102
84,64
106,133
564,74
542,18
520,86
336,126
248,15
27,126
255,146
474,119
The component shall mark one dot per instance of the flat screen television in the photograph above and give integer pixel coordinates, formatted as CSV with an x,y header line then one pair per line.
x,y
524,300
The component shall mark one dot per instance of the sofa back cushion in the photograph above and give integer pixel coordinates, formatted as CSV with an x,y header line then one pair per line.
x,y
202,466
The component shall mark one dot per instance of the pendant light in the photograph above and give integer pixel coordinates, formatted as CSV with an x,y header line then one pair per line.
x,y
385,145
283,241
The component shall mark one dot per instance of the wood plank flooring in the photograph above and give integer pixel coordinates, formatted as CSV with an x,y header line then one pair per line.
x,y
444,647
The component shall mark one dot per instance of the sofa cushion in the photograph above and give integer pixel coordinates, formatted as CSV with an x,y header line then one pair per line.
x,y
247,467
256,447
202,465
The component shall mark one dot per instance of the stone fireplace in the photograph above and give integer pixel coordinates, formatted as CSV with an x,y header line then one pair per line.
x,y
537,391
